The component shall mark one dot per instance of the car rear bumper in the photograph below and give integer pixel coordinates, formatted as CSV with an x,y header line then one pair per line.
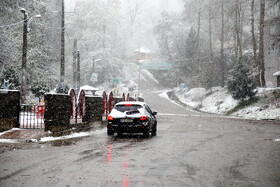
x,y
127,128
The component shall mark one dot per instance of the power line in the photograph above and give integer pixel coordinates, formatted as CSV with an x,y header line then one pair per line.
x,y
12,24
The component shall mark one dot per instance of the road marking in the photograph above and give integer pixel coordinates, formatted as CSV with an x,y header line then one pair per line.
x,y
184,115
204,116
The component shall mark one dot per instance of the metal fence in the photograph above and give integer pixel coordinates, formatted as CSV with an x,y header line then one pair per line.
x,y
32,116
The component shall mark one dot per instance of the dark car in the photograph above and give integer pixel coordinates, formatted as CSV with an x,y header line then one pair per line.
x,y
132,117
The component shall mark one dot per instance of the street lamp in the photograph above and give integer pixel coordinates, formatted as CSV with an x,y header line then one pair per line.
x,y
94,74
26,24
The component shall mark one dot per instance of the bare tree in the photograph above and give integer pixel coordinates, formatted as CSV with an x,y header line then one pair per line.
x,y
238,39
134,9
261,44
198,28
222,68
253,33
210,33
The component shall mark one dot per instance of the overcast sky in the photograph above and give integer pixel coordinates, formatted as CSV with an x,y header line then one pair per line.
x,y
169,5
146,21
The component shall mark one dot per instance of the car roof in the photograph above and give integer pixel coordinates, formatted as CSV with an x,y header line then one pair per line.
x,y
131,102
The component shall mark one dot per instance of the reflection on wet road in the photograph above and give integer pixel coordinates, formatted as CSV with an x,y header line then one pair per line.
x,y
120,154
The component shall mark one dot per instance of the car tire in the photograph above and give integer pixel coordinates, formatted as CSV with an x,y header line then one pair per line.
x,y
110,132
154,130
146,134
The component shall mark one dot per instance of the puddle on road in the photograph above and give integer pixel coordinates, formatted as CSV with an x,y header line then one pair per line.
x,y
66,142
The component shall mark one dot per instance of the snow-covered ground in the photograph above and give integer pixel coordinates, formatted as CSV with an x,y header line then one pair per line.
x,y
219,101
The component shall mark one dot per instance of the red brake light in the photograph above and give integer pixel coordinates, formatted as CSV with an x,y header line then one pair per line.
x,y
128,105
110,118
142,118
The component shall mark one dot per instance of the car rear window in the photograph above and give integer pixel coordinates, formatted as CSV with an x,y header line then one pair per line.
x,y
126,108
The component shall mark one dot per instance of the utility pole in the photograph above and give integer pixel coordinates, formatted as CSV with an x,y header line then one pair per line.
x,y
26,21
74,65
78,71
62,64
93,65
139,77
24,55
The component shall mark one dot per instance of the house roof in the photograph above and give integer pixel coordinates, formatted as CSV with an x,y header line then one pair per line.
x,y
87,87
143,50
276,73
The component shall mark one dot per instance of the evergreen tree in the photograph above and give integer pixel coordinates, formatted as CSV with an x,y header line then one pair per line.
x,y
39,88
10,74
240,83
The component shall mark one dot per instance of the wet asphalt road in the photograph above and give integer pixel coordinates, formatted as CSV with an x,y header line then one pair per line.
x,y
191,149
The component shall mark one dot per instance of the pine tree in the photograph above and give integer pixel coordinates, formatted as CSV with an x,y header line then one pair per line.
x,y
10,74
240,83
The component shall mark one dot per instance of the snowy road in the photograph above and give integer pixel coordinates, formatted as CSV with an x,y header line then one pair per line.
x,y
191,149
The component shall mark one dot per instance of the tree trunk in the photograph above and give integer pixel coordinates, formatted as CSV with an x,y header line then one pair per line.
x,y
240,29
210,35
74,64
261,45
78,71
253,33
209,78
200,82
198,31
167,47
236,31
238,49
222,68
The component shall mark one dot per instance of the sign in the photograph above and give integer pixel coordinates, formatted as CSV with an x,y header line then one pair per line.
x,y
6,84
182,85
115,80
94,77
155,66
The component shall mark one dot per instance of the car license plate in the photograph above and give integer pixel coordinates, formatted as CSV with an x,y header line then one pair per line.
x,y
126,120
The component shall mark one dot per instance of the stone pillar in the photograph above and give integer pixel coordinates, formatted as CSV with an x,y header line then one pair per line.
x,y
9,109
57,112
94,109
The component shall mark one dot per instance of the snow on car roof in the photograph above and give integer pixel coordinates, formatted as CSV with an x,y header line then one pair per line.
x,y
131,102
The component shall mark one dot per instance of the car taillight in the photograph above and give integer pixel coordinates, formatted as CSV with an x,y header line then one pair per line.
x,y
142,118
128,105
110,118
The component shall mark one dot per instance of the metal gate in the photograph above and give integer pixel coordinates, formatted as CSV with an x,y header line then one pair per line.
x,y
32,116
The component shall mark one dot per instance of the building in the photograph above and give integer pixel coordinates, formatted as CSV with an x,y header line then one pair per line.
x,y
143,53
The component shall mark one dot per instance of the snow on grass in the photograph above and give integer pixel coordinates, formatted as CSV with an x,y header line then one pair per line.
x,y
9,141
262,92
73,135
193,98
219,101
13,129
258,113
